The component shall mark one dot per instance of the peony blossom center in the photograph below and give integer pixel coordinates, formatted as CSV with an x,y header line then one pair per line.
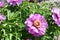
x,y
37,23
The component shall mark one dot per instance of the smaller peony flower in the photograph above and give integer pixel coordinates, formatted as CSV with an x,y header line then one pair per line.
x,y
2,17
36,25
14,2
30,0
1,3
56,15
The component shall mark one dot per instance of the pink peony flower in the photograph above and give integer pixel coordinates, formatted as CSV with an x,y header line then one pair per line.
x,y
56,15
14,2
36,25
2,17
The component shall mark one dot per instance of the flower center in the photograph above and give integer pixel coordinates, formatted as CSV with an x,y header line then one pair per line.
x,y
37,23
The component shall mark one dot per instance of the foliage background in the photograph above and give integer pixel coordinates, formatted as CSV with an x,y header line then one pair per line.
x,y
13,28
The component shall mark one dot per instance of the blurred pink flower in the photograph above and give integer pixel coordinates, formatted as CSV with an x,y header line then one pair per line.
x,y
56,15
14,2
1,3
2,17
